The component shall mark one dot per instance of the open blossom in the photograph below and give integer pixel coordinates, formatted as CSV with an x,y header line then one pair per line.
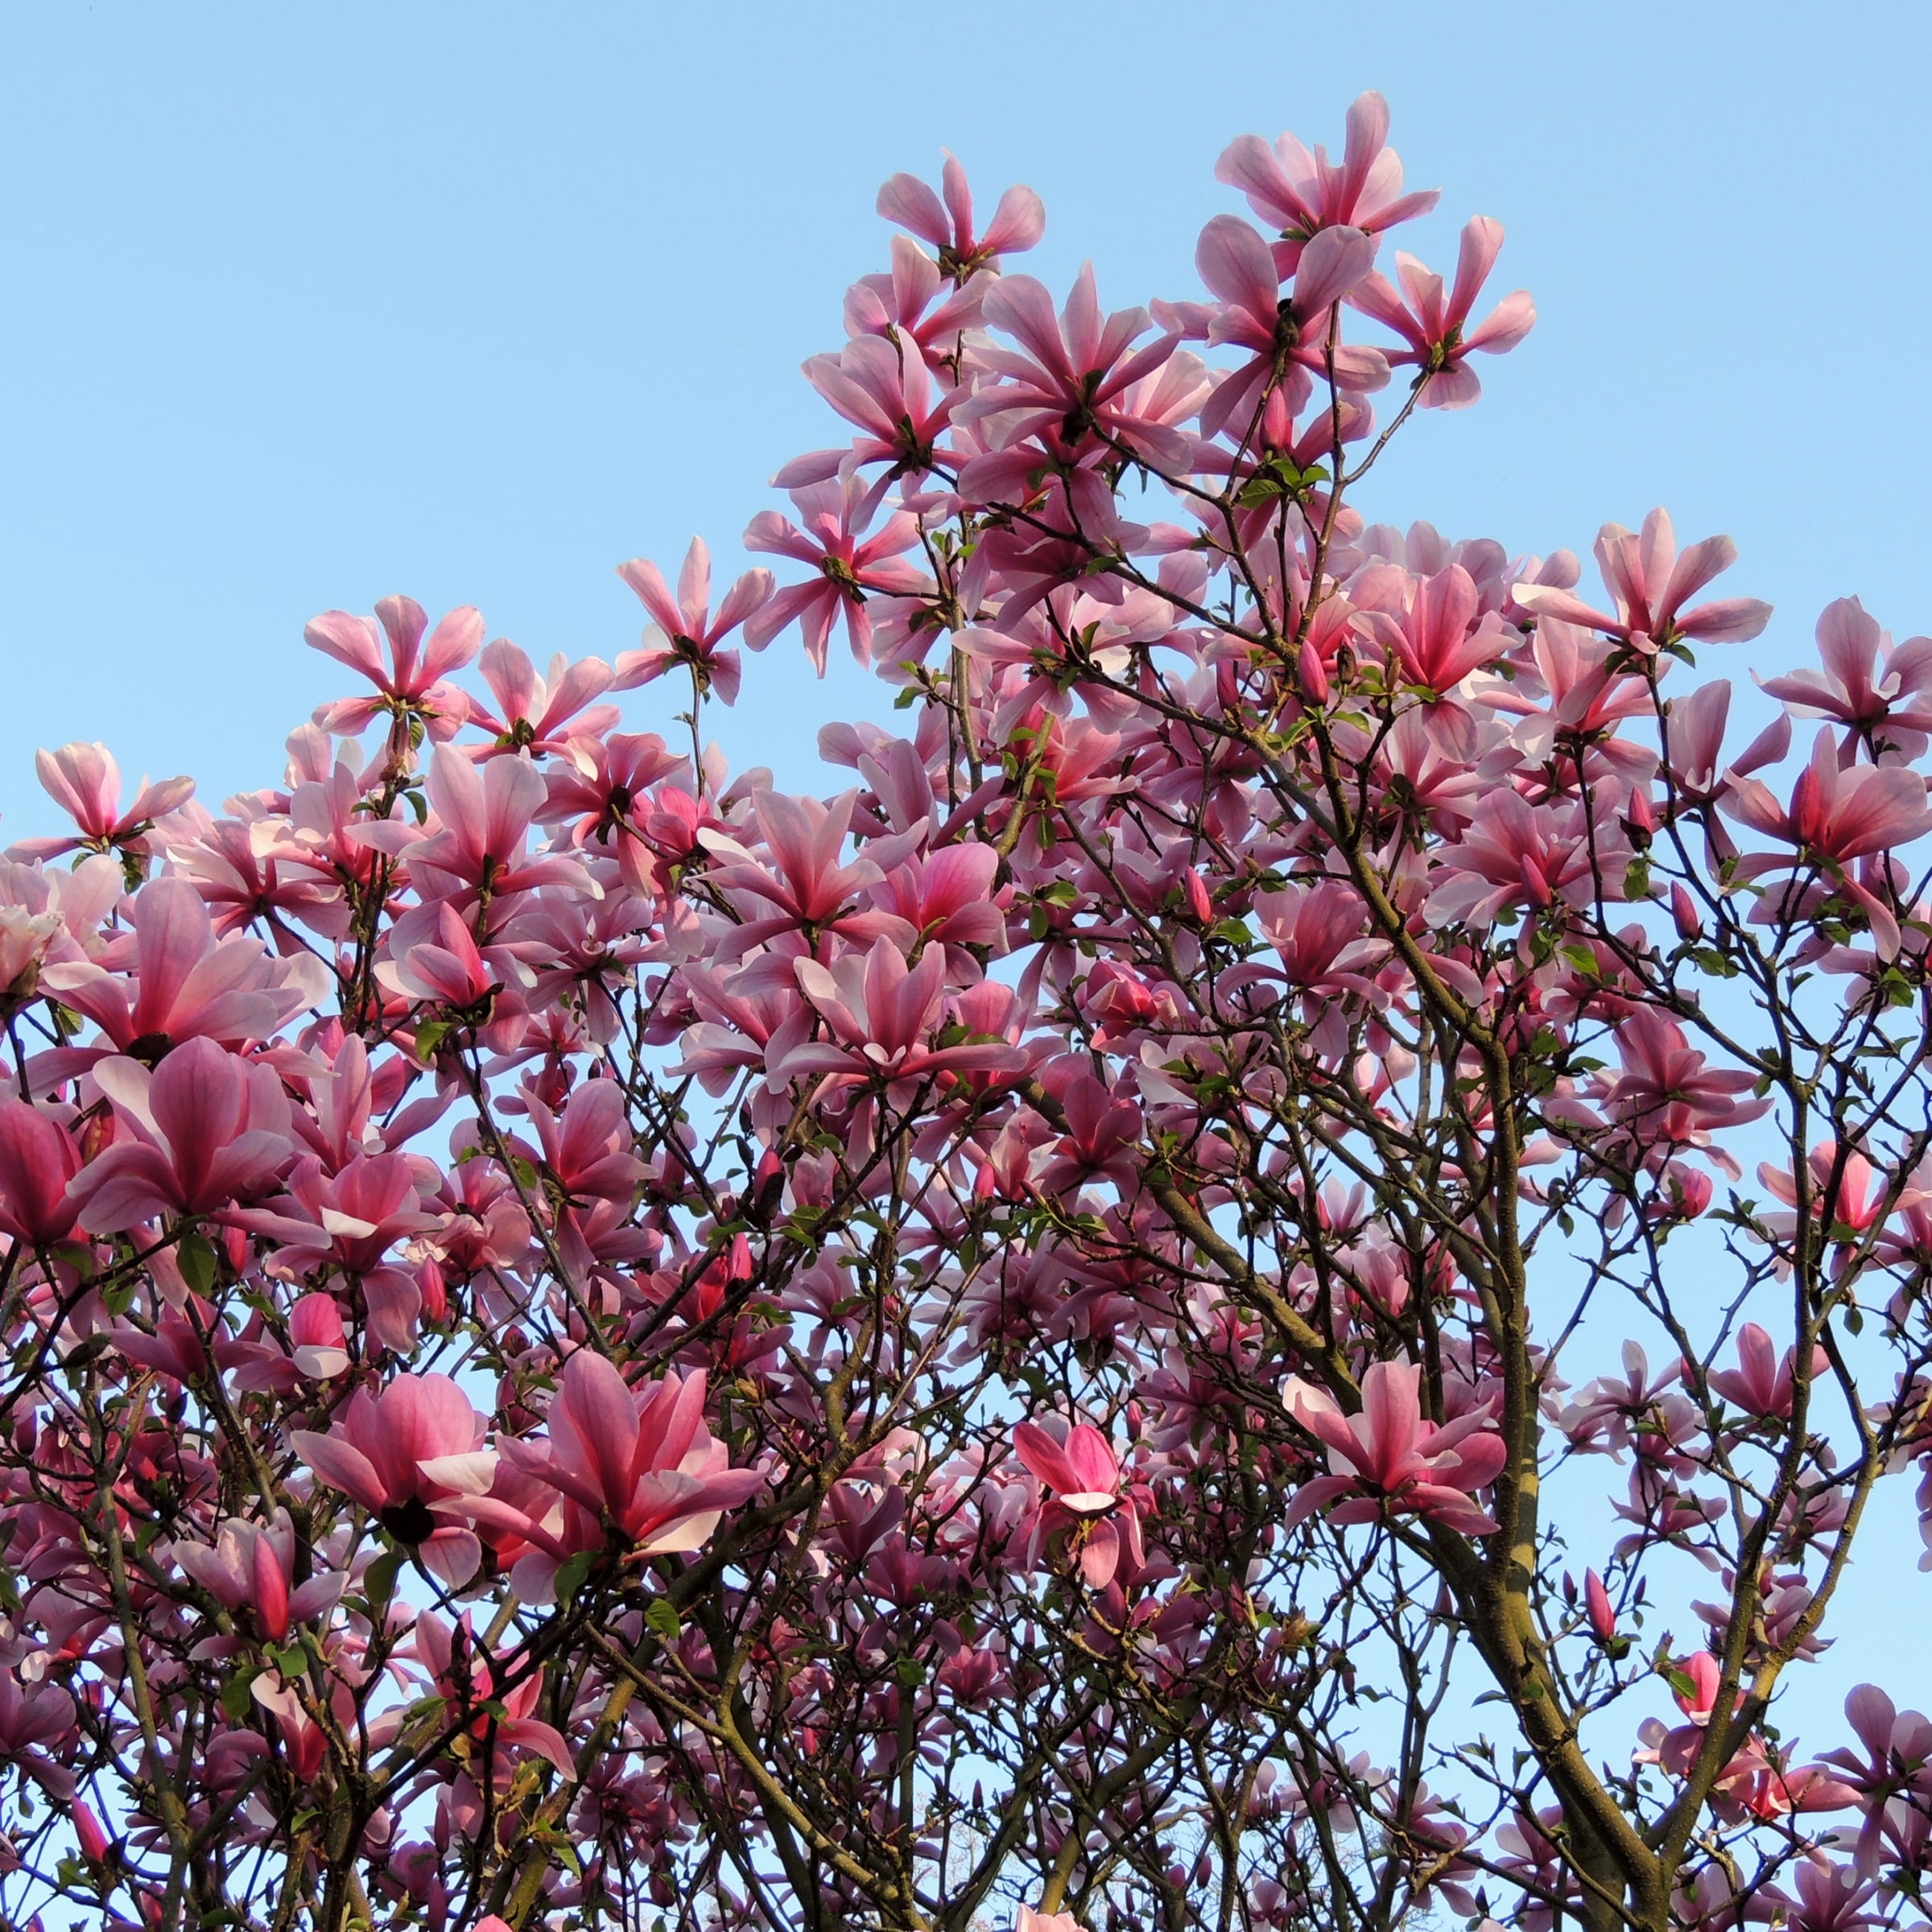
x,y
1386,1458
1064,388
683,630
410,675
638,1466
1017,223
1667,1094
1287,339
85,782
882,1015
1432,323
539,714
1651,581
1088,1498
410,1455
851,566
203,1130
1881,691
1300,193
186,984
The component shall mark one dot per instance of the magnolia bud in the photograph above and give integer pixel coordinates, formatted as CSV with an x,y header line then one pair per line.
x,y
1683,911
1313,672
94,1845
1197,901
1603,1619
271,1591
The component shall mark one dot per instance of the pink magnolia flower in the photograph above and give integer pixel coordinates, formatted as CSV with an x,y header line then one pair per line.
x,y
946,896
464,1678
349,1220
85,781
1287,339
251,1566
1089,1499
1666,1095
1387,1458
36,1726
682,629
890,399
850,566
1897,1759
801,881
411,1456
448,970
317,1343
1835,815
1017,223
476,843
411,680
186,983
1596,1598
1651,583
1300,193
1064,388
38,1159
900,306
1031,1921
1519,856
1881,692
207,1129
540,715
637,1466
882,1014
1438,347
1760,1383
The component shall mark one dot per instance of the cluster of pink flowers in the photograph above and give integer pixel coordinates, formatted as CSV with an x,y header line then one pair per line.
x,y
593,1343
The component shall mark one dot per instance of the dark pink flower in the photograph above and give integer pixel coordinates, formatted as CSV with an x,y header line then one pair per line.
x,y
1387,1458
410,1456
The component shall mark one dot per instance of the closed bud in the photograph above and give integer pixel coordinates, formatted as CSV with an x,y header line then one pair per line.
x,y
94,1845
1603,1619
1313,673
1683,911
271,1591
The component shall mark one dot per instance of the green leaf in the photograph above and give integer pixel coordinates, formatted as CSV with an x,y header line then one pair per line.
x,y
379,1578
238,1693
197,1260
570,1578
430,1035
662,1617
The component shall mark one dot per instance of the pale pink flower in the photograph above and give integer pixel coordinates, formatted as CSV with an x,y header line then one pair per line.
x,y
682,630
1651,582
85,781
411,678
1433,326
1017,223
1300,193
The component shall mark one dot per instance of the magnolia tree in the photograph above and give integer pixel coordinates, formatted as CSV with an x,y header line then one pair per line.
x,y
592,1344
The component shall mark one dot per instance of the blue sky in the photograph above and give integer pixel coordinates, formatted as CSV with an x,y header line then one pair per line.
x,y
474,303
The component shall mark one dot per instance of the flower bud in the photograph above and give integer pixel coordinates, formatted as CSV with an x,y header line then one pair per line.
x,y
1683,911
271,1591
1603,1619
1313,673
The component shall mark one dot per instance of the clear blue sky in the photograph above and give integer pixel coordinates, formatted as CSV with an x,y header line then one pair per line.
x,y
304,305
